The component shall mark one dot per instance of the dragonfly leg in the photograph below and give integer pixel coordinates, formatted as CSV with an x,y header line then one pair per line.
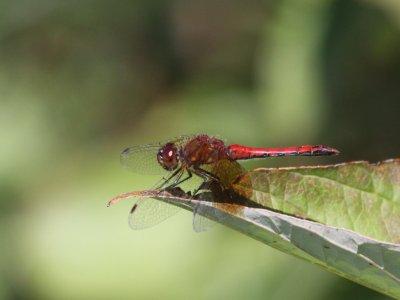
x,y
177,178
205,175
169,179
178,181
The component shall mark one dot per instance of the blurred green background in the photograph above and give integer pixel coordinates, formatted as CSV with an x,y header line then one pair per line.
x,y
82,80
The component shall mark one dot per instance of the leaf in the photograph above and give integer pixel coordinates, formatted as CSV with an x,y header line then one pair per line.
x,y
357,202
358,196
358,258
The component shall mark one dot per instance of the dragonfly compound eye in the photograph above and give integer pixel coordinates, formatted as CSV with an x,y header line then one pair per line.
x,y
167,157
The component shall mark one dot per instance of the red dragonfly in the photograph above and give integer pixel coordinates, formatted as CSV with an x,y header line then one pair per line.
x,y
209,158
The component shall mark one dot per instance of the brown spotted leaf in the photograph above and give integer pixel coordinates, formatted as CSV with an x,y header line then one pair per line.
x,y
345,201
357,196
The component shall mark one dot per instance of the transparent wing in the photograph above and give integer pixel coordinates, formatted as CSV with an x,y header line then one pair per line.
x,y
227,171
142,159
148,212
200,223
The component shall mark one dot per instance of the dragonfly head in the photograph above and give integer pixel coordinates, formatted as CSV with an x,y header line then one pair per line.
x,y
168,157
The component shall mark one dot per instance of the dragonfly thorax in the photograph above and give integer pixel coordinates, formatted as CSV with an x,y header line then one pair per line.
x,y
203,150
168,157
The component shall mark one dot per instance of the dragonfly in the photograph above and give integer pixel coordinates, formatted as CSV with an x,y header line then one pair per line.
x,y
206,157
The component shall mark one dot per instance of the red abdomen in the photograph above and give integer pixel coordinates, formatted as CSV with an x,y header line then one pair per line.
x,y
236,152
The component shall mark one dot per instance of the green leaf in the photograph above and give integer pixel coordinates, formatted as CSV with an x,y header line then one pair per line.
x,y
342,196
358,196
